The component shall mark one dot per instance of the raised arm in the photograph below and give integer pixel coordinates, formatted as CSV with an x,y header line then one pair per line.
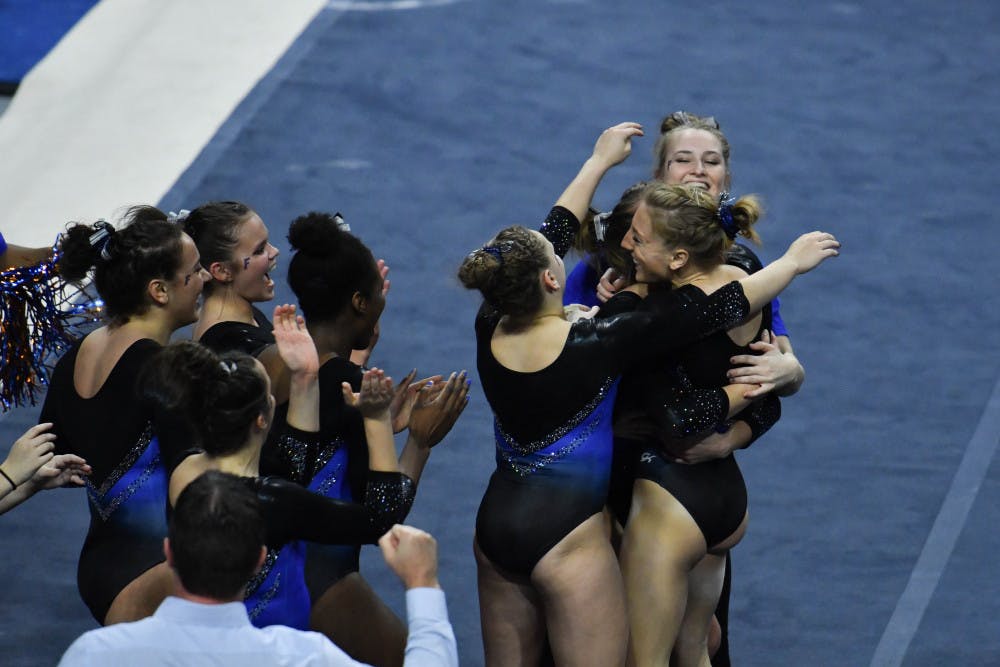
x,y
612,147
412,555
298,352
373,403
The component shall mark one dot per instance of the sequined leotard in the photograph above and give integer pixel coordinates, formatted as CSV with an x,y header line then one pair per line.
x,y
339,469
713,492
127,490
553,426
334,465
298,519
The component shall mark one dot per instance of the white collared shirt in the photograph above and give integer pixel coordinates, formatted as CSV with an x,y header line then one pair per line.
x,y
192,634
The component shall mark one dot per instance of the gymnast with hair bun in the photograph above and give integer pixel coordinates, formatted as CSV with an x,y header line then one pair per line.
x,y
546,568
684,518
340,290
690,150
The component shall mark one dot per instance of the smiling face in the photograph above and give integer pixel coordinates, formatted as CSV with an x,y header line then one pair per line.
x,y
649,254
253,261
695,157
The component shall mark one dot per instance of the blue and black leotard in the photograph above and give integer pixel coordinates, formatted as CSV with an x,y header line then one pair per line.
x,y
332,463
127,490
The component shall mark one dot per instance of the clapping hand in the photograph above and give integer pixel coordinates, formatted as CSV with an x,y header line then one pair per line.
x,y
437,408
294,343
375,396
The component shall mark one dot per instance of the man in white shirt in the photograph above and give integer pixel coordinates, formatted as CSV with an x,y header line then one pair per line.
x,y
215,545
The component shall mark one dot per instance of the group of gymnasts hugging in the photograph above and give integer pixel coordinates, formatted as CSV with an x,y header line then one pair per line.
x,y
619,394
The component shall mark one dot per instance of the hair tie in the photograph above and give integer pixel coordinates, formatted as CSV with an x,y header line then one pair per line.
x,y
601,225
494,251
179,216
228,366
101,237
498,249
725,215
341,223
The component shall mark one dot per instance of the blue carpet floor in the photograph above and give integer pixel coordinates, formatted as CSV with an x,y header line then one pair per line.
x,y
431,128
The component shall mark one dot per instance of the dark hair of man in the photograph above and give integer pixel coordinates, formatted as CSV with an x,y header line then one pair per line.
x,y
216,532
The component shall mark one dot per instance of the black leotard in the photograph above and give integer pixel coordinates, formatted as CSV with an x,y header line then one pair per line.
x,y
249,338
335,466
127,490
713,492
553,426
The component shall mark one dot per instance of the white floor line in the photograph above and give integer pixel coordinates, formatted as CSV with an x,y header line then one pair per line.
x,y
905,621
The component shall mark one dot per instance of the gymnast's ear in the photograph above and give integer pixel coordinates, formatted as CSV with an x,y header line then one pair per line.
x,y
678,259
221,272
549,281
158,291
360,303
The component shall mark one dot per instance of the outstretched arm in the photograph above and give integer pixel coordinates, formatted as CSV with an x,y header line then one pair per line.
x,y
15,255
612,147
804,255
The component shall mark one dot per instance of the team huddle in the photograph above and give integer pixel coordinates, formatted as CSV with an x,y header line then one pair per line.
x,y
619,392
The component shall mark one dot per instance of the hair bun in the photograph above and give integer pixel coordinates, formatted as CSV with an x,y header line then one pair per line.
x,y
684,118
317,233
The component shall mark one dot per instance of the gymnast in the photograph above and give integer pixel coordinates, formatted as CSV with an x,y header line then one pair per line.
x,y
228,398
545,563
31,466
340,290
685,518
150,278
